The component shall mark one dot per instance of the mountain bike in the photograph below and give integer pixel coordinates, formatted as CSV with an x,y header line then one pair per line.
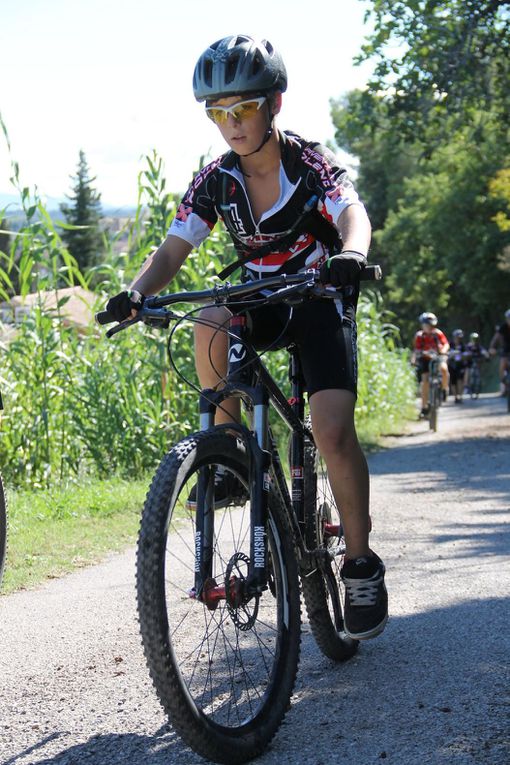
x,y
218,581
434,390
475,378
3,520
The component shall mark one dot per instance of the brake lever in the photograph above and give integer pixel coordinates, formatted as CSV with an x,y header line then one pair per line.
x,y
276,297
123,325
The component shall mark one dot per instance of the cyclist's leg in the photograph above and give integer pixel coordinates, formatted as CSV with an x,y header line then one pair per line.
x,y
332,414
445,376
424,390
326,338
211,347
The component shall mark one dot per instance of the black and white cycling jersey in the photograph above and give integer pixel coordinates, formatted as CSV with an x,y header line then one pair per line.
x,y
309,174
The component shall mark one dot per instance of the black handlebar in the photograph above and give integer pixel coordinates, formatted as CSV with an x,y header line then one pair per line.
x,y
223,293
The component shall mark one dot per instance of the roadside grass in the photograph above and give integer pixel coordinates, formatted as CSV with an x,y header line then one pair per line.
x,y
54,531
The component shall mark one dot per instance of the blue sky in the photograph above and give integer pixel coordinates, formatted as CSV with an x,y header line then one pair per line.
x,y
114,79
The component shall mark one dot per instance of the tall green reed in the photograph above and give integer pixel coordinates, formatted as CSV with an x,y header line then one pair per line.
x,y
79,404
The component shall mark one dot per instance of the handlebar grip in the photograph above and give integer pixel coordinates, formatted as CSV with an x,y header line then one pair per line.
x,y
371,274
104,317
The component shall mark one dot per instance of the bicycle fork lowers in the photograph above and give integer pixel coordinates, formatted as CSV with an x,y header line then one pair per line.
x,y
240,385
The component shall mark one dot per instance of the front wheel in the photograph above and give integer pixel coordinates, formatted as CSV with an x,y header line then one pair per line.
x,y
223,665
434,405
322,585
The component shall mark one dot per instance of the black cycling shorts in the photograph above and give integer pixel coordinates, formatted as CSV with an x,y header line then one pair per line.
x,y
324,333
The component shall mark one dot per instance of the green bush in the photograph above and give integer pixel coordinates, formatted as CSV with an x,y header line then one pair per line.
x,y
83,405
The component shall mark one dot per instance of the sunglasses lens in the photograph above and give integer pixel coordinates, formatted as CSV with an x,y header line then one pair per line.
x,y
217,115
239,112
245,111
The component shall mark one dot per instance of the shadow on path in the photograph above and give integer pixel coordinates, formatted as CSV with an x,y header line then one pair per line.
x,y
411,697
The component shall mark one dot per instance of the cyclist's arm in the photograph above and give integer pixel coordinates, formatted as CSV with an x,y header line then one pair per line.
x,y
355,230
443,346
160,268
496,341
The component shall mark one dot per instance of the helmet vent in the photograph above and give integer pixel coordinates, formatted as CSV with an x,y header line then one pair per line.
x,y
257,65
232,65
208,72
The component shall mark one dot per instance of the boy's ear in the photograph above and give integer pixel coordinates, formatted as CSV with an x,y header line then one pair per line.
x,y
276,102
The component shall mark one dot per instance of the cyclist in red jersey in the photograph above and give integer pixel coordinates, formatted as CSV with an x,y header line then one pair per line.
x,y
430,340
501,339
290,199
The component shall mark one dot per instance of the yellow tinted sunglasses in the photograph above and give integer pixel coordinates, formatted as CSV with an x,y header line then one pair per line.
x,y
243,110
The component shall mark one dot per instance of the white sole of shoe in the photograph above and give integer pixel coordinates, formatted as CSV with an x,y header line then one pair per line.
x,y
374,632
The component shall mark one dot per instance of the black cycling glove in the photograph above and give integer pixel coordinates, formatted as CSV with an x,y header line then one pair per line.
x,y
344,269
121,305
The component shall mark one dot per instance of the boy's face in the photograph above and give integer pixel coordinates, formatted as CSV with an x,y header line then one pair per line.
x,y
245,136
427,328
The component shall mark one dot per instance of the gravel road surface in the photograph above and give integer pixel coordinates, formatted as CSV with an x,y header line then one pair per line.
x,y
432,689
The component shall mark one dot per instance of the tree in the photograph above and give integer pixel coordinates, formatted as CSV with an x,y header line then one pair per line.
x,y
84,240
440,58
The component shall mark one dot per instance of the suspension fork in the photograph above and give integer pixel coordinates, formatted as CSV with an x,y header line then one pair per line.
x,y
297,444
239,373
204,513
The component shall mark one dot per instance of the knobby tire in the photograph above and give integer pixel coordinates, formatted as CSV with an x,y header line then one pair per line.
x,y
321,586
222,727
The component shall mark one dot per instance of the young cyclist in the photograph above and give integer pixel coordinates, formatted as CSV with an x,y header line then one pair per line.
x,y
476,355
430,340
288,205
457,364
501,339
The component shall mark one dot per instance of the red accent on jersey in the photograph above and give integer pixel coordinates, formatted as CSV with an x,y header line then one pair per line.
x,y
183,212
431,341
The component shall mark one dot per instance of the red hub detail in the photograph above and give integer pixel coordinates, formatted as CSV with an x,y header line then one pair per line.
x,y
332,529
213,593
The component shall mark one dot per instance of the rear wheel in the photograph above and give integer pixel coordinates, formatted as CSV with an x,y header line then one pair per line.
x,y
223,665
322,586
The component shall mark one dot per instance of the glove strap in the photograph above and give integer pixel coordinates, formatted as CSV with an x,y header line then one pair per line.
x,y
136,297
358,255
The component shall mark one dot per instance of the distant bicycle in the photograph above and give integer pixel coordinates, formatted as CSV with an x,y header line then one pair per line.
x,y
434,391
475,378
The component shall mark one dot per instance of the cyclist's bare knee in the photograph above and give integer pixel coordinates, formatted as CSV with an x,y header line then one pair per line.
x,y
211,342
333,421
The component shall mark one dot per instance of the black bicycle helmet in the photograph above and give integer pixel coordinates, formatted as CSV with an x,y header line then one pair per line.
x,y
238,64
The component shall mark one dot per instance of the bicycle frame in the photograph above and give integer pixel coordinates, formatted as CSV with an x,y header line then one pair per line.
x,y
249,380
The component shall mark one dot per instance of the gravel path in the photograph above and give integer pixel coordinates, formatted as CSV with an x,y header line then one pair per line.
x,y
431,689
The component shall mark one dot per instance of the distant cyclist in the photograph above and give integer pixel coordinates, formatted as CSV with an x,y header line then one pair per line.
x,y
476,355
501,340
428,341
457,364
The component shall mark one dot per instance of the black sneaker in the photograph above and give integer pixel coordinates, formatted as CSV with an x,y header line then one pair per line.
x,y
366,598
444,395
425,412
228,490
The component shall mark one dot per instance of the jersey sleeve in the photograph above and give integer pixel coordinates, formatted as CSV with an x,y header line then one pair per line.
x,y
417,342
196,215
441,337
332,184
